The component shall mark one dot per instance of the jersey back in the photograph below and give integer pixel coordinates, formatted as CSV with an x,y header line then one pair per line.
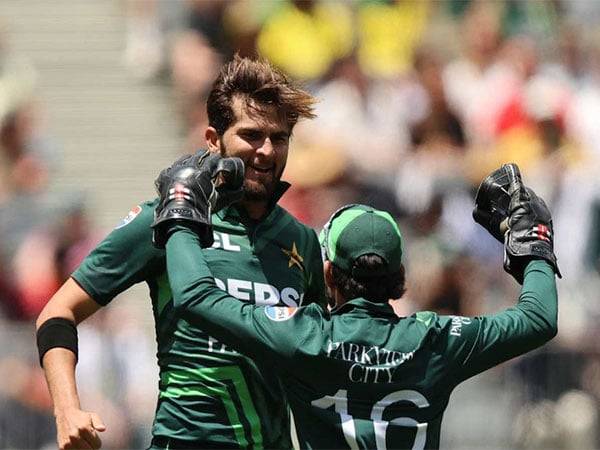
x,y
375,382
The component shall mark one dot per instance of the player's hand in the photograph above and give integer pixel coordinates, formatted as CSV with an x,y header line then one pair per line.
x,y
530,233
77,429
192,189
492,202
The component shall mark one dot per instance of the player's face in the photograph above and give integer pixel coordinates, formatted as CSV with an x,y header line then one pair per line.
x,y
261,139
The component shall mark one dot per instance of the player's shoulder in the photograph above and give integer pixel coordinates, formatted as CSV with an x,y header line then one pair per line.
x,y
142,212
294,226
135,225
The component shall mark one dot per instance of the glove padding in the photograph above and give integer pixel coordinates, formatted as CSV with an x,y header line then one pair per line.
x,y
530,234
193,188
493,198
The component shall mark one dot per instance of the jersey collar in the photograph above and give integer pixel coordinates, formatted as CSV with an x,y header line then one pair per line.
x,y
236,212
365,307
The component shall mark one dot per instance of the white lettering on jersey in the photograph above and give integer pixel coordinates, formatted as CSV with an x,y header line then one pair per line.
x,y
262,293
457,323
367,374
266,294
234,287
220,285
290,297
372,364
223,241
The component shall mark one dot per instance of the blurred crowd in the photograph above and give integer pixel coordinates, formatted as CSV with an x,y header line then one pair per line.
x,y
419,100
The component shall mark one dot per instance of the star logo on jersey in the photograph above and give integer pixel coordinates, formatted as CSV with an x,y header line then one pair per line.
x,y
295,258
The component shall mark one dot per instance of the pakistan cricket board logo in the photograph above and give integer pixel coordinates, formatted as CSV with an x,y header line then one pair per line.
x,y
280,313
295,258
135,211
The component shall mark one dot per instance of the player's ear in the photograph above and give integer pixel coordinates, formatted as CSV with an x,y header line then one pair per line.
x,y
212,139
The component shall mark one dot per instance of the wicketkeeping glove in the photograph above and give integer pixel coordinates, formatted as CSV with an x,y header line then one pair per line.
x,y
193,188
530,233
492,201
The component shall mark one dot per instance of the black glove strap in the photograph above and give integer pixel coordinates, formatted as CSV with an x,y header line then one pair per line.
x,y
56,332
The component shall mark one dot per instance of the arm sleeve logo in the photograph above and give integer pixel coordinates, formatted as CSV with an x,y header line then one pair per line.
x,y
280,313
135,211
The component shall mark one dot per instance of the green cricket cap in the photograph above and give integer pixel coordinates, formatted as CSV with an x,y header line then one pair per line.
x,y
358,230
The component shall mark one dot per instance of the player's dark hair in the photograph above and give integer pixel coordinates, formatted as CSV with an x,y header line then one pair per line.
x,y
259,84
375,289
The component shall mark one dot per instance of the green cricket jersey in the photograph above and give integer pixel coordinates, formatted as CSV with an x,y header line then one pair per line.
x,y
361,377
209,393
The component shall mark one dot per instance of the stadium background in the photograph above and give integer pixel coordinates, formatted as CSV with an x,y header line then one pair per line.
x,y
419,100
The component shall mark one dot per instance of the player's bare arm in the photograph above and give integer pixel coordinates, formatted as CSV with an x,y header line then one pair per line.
x,y
75,428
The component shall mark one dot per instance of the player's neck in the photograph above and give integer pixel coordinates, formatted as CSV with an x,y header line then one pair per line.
x,y
338,299
255,210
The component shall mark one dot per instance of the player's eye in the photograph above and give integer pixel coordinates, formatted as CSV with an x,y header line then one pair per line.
x,y
251,135
279,138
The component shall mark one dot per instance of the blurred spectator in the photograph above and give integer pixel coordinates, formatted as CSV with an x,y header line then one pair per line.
x,y
144,41
305,37
475,85
318,171
363,117
43,235
388,32
434,123
26,419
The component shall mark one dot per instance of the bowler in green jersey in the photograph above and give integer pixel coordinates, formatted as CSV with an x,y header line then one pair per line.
x,y
210,396
358,376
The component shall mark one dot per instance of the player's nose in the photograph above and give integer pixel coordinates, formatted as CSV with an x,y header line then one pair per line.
x,y
266,149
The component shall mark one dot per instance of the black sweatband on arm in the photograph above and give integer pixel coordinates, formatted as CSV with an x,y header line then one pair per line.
x,y
56,332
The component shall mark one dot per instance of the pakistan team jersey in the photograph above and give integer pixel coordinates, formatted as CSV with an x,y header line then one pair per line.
x,y
209,393
361,377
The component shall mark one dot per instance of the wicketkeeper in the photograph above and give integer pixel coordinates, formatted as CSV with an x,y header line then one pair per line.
x,y
359,376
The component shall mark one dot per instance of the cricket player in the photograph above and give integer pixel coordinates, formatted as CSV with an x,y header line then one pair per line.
x,y
358,376
210,396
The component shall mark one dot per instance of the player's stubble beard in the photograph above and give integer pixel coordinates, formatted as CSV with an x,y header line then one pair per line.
x,y
256,191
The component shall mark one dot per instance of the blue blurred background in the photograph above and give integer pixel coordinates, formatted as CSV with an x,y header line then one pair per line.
x,y
418,101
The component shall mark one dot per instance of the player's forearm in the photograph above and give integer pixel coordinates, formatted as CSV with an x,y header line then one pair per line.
x,y
59,368
198,298
189,276
517,330
538,300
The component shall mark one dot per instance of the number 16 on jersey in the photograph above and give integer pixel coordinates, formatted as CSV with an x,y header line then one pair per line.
x,y
339,401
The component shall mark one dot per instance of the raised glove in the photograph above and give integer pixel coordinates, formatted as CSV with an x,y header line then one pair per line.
x,y
530,233
493,199
191,190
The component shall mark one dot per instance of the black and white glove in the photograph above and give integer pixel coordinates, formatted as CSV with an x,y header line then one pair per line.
x,y
193,188
492,201
530,233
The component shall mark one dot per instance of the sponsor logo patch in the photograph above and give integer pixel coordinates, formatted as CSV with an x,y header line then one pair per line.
x,y
135,211
280,313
